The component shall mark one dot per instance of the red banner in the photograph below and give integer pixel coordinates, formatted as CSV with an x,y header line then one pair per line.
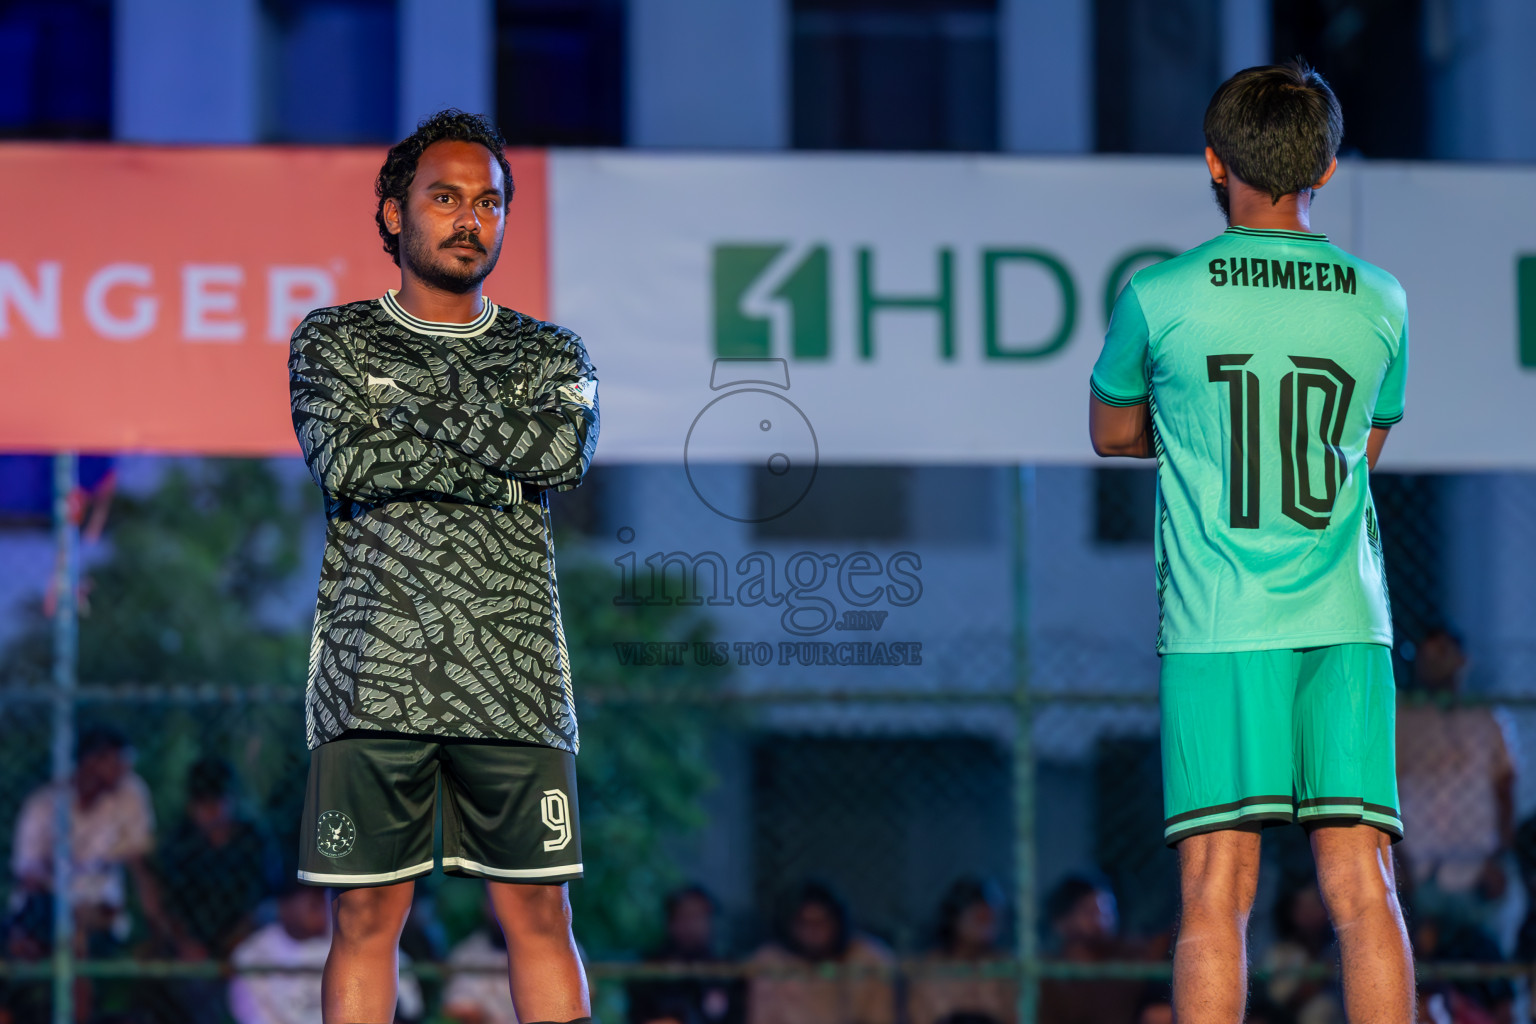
x,y
147,294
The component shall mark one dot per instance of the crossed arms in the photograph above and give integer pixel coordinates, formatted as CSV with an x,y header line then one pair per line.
x,y
424,446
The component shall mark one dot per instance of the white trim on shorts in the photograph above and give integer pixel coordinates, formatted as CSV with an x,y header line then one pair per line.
x,y
323,878
465,862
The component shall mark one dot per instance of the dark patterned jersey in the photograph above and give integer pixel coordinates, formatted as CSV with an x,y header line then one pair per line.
x,y
433,444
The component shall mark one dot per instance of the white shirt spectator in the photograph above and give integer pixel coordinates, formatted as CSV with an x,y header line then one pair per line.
x,y
1449,763
118,827
293,997
484,995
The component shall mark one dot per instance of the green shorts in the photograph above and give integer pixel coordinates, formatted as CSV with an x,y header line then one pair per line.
x,y
509,811
1263,737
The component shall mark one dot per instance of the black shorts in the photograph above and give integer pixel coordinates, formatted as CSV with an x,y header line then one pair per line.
x,y
509,813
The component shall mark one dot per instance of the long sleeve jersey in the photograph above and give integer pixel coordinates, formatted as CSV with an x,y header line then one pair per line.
x,y
433,443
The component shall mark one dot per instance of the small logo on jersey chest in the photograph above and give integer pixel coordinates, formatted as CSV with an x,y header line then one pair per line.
x,y
335,834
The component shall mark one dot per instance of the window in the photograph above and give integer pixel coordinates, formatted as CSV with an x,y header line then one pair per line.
x,y
1410,513
919,504
843,503
1124,503
1156,64
895,74
584,510
56,69
1372,53
560,72
331,71
889,821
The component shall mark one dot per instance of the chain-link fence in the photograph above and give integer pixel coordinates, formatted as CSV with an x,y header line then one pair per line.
x,y
977,787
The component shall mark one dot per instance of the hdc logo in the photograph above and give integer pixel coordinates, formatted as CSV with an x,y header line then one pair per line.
x,y
776,300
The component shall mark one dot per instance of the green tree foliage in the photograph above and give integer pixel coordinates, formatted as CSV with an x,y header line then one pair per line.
x,y
644,766
205,580
196,584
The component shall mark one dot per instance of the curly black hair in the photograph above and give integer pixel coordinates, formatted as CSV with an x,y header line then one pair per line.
x,y
399,168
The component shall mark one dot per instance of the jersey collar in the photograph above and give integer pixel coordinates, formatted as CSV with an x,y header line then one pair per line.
x,y
1277,233
476,327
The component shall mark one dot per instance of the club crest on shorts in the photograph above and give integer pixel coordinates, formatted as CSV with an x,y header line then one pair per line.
x,y
555,812
335,834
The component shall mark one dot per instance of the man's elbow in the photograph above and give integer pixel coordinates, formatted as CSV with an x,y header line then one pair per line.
x,y
1105,448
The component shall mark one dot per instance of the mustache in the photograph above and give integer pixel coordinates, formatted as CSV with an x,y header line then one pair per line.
x,y
462,238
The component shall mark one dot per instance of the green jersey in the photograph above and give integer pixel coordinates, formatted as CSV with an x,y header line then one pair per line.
x,y
1266,357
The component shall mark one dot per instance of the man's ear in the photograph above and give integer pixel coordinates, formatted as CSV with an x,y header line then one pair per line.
x,y
1332,166
1217,168
392,215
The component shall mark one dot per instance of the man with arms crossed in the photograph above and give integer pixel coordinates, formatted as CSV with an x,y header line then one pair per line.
x,y
434,421
1262,369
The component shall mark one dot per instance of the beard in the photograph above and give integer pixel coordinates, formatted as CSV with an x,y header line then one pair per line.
x,y
1223,199
435,265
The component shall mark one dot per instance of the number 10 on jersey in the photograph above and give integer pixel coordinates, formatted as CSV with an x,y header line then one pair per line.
x,y
1313,380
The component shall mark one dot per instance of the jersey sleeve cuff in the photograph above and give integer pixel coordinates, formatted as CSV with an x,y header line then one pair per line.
x,y
1386,420
1118,400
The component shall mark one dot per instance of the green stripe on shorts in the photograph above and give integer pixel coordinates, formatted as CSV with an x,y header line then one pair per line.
x,y
1213,819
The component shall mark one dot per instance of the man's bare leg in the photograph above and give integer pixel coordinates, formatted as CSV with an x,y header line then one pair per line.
x,y
1218,879
548,981
1359,887
363,967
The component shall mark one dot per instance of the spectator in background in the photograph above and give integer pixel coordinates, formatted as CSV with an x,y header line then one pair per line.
x,y
215,868
1456,780
691,915
112,828
970,922
1463,1001
1156,1006
1085,927
477,991
1525,859
817,931
1303,938
299,938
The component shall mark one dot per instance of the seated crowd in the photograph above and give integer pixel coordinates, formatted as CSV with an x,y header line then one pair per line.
x,y
213,888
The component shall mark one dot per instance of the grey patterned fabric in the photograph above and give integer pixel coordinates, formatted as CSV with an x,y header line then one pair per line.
x,y
438,613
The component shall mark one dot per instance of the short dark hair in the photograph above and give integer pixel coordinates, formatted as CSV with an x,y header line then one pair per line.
x,y
1446,631
1070,892
818,893
209,778
965,892
692,891
98,738
450,125
1277,127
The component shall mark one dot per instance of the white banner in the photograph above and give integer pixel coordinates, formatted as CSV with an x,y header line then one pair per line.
x,y
949,309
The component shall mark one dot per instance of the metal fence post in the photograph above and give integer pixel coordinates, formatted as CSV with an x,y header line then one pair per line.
x,y
1023,493
65,651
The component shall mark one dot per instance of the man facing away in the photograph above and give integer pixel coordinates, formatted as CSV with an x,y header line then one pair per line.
x,y
1263,369
433,422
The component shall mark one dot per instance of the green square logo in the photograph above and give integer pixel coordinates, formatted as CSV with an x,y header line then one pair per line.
x,y
744,328
1525,308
